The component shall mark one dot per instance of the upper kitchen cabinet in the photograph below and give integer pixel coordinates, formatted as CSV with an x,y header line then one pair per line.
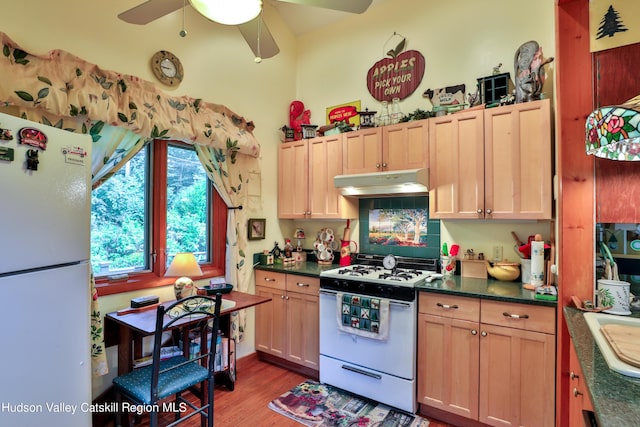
x,y
305,180
517,157
388,148
492,164
456,169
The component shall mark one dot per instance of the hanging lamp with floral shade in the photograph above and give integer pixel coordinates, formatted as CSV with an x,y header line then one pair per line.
x,y
613,132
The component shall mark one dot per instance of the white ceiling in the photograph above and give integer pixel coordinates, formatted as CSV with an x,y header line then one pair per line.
x,y
303,19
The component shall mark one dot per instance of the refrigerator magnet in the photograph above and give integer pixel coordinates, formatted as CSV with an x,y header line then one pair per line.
x,y
74,155
6,154
32,160
33,137
5,134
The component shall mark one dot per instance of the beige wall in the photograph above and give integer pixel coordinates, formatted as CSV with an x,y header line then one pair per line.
x,y
461,40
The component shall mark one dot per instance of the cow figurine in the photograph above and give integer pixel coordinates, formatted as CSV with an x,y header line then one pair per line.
x,y
450,95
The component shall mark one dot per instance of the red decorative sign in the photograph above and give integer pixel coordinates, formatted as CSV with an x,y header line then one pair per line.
x,y
342,113
396,77
34,137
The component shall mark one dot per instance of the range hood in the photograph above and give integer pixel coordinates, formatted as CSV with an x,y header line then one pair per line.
x,y
394,183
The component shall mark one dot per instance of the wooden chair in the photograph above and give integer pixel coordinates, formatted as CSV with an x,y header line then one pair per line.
x,y
151,385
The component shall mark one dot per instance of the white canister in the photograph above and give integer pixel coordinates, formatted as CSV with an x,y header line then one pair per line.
x,y
537,263
614,293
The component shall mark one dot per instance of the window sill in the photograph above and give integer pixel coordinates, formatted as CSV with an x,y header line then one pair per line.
x,y
146,281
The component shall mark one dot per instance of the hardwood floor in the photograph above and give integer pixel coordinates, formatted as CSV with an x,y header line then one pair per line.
x,y
258,383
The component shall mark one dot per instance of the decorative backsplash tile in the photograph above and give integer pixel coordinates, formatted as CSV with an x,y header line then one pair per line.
x,y
398,226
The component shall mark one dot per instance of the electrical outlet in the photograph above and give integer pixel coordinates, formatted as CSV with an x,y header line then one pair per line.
x,y
497,253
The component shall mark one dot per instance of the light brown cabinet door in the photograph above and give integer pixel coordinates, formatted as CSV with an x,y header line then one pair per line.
x,y
579,400
305,180
293,180
405,146
288,325
448,369
517,377
303,335
362,151
325,162
271,322
456,166
518,176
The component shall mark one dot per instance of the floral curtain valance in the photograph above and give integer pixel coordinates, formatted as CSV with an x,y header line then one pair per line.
x,y
68,92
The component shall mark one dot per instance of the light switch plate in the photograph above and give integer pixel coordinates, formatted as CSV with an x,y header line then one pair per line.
x,y
497,253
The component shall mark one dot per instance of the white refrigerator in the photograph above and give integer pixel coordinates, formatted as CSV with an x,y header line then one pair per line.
x,y
45,195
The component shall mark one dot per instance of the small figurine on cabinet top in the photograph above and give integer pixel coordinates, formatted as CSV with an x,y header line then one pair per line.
x,y
298,116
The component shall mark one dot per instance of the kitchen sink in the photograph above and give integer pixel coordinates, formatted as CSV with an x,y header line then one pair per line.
x,y
597,320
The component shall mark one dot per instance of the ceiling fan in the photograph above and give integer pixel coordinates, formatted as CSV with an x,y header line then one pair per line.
x,y
254,30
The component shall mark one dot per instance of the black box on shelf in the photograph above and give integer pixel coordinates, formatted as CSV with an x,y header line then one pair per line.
x,y
144,301
494,87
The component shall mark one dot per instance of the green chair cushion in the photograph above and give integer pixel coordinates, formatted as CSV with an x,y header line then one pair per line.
x,y
137,383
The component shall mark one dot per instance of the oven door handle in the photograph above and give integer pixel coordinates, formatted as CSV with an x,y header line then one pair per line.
x,y
392,302
362,372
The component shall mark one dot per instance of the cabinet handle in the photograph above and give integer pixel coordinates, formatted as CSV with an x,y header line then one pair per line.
x,y
286,297
377,165
573,375
479,211
489,211
384,164
474,332
515,316
447,306
302,285
576,392
268,279
483,333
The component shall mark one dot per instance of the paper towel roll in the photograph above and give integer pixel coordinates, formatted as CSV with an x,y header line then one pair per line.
x,y
537,263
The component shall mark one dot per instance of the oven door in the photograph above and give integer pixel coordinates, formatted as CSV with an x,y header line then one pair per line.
x,y
394,356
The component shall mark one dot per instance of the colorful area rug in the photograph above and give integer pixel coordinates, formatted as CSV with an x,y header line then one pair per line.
x,y
314,404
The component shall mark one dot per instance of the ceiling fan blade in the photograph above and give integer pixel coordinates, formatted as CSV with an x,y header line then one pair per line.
x,y
150,11
268,46
353,6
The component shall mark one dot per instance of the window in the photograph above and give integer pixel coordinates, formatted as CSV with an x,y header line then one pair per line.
x,y
160,203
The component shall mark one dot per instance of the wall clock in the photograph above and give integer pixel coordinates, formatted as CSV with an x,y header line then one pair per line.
x,y
167,68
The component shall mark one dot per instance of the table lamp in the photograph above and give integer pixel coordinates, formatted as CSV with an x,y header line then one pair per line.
x,y
184,264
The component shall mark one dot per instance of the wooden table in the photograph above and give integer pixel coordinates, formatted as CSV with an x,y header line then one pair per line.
x,y
127,330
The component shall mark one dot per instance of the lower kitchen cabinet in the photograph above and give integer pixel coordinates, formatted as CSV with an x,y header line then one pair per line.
x,y
490,361
448,353
580,406
287,327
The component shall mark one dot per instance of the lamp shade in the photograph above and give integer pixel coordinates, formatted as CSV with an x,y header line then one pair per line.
x,y
184,264
228,12
614,132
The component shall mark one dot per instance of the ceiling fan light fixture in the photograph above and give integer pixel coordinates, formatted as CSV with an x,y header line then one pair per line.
x,y
228,12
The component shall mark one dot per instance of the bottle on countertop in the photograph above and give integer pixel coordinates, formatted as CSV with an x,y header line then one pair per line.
x,y
288,248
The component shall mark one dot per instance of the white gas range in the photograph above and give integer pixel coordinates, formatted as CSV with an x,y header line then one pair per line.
x,y
379,362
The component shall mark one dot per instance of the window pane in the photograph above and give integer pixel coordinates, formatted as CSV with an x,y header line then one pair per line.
x,y
188,202
118,220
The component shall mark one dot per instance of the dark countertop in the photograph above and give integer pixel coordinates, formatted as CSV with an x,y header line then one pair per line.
x,y
485,288
312,269
615,397
457,285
